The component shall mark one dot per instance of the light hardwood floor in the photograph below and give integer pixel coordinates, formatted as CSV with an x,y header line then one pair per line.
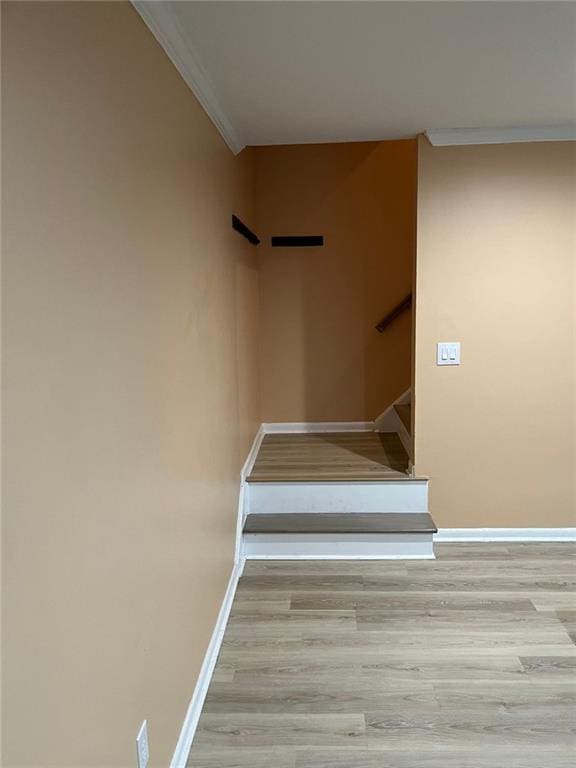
x,y
330,456
468,661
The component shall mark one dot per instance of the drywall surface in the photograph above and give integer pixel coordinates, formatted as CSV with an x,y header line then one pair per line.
x,y
130,313
322,359
495,270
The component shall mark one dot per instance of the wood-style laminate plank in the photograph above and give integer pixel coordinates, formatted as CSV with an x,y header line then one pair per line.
x,y
462,582
259,729
325,567
330,583
260,624
558,665
488,727
211,756
389,671
389,601
441,757
344,697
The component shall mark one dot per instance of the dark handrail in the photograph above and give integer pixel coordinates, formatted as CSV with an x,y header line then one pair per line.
x,y
391,316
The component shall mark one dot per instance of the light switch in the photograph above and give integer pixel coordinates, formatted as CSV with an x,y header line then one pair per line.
x,y
448,353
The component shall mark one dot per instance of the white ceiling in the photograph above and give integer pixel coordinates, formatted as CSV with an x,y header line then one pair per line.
x,y
298,72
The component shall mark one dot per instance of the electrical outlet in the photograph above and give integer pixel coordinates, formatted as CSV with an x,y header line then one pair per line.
x,y
142,751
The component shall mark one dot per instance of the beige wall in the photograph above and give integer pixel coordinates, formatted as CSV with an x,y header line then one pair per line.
x,y
321,357
129,360
495,270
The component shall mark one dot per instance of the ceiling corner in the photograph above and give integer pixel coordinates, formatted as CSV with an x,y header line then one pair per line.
x,y
165,26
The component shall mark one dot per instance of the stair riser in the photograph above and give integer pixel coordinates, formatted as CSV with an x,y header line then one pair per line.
x,y
334,546
403,496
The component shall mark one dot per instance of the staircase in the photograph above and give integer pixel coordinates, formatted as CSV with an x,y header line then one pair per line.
x,y
336,494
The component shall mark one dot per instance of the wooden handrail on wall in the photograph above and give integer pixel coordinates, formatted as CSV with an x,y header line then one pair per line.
x,y
394,313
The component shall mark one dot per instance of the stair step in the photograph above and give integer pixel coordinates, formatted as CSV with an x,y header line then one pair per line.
x,y
338,456
340,523
405,413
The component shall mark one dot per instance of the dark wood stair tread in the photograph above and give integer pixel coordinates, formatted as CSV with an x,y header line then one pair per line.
x,y
405,413
336,477
340,522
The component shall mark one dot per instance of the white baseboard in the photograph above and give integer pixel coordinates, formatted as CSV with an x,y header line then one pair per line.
x,y
184,744
341,557
280,427
197,701
505,534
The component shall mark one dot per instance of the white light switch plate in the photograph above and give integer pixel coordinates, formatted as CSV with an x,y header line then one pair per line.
x,y
142,751
448,353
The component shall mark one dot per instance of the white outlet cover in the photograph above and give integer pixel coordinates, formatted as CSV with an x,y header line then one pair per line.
x,y
142,751
448,353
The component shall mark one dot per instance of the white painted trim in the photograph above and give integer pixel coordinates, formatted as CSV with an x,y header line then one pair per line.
x,y
287,427
449,137
409,495
505,534
404,399
341,557
240,517
253,452
163,22
184,744
243,494
377,546
390,421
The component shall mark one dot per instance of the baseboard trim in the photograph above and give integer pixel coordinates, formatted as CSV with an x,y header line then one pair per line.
x,y
281,427
504,534
190,724
341,557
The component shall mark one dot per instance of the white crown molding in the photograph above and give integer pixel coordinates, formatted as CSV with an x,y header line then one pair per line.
x,y
453,137
165,26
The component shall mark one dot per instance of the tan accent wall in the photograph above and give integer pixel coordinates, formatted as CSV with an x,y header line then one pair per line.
x,y
321,358
129,384
495,270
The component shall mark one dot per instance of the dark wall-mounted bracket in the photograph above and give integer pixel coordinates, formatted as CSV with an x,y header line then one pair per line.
x,y
243,230
297,241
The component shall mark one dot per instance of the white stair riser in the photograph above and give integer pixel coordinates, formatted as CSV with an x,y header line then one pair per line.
x,y
333,546
402,496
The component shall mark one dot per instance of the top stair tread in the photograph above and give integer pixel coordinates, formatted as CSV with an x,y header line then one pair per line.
x,y
326,456
404,411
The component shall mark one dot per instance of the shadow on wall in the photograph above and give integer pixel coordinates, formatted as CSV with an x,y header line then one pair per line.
x,y
322,359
